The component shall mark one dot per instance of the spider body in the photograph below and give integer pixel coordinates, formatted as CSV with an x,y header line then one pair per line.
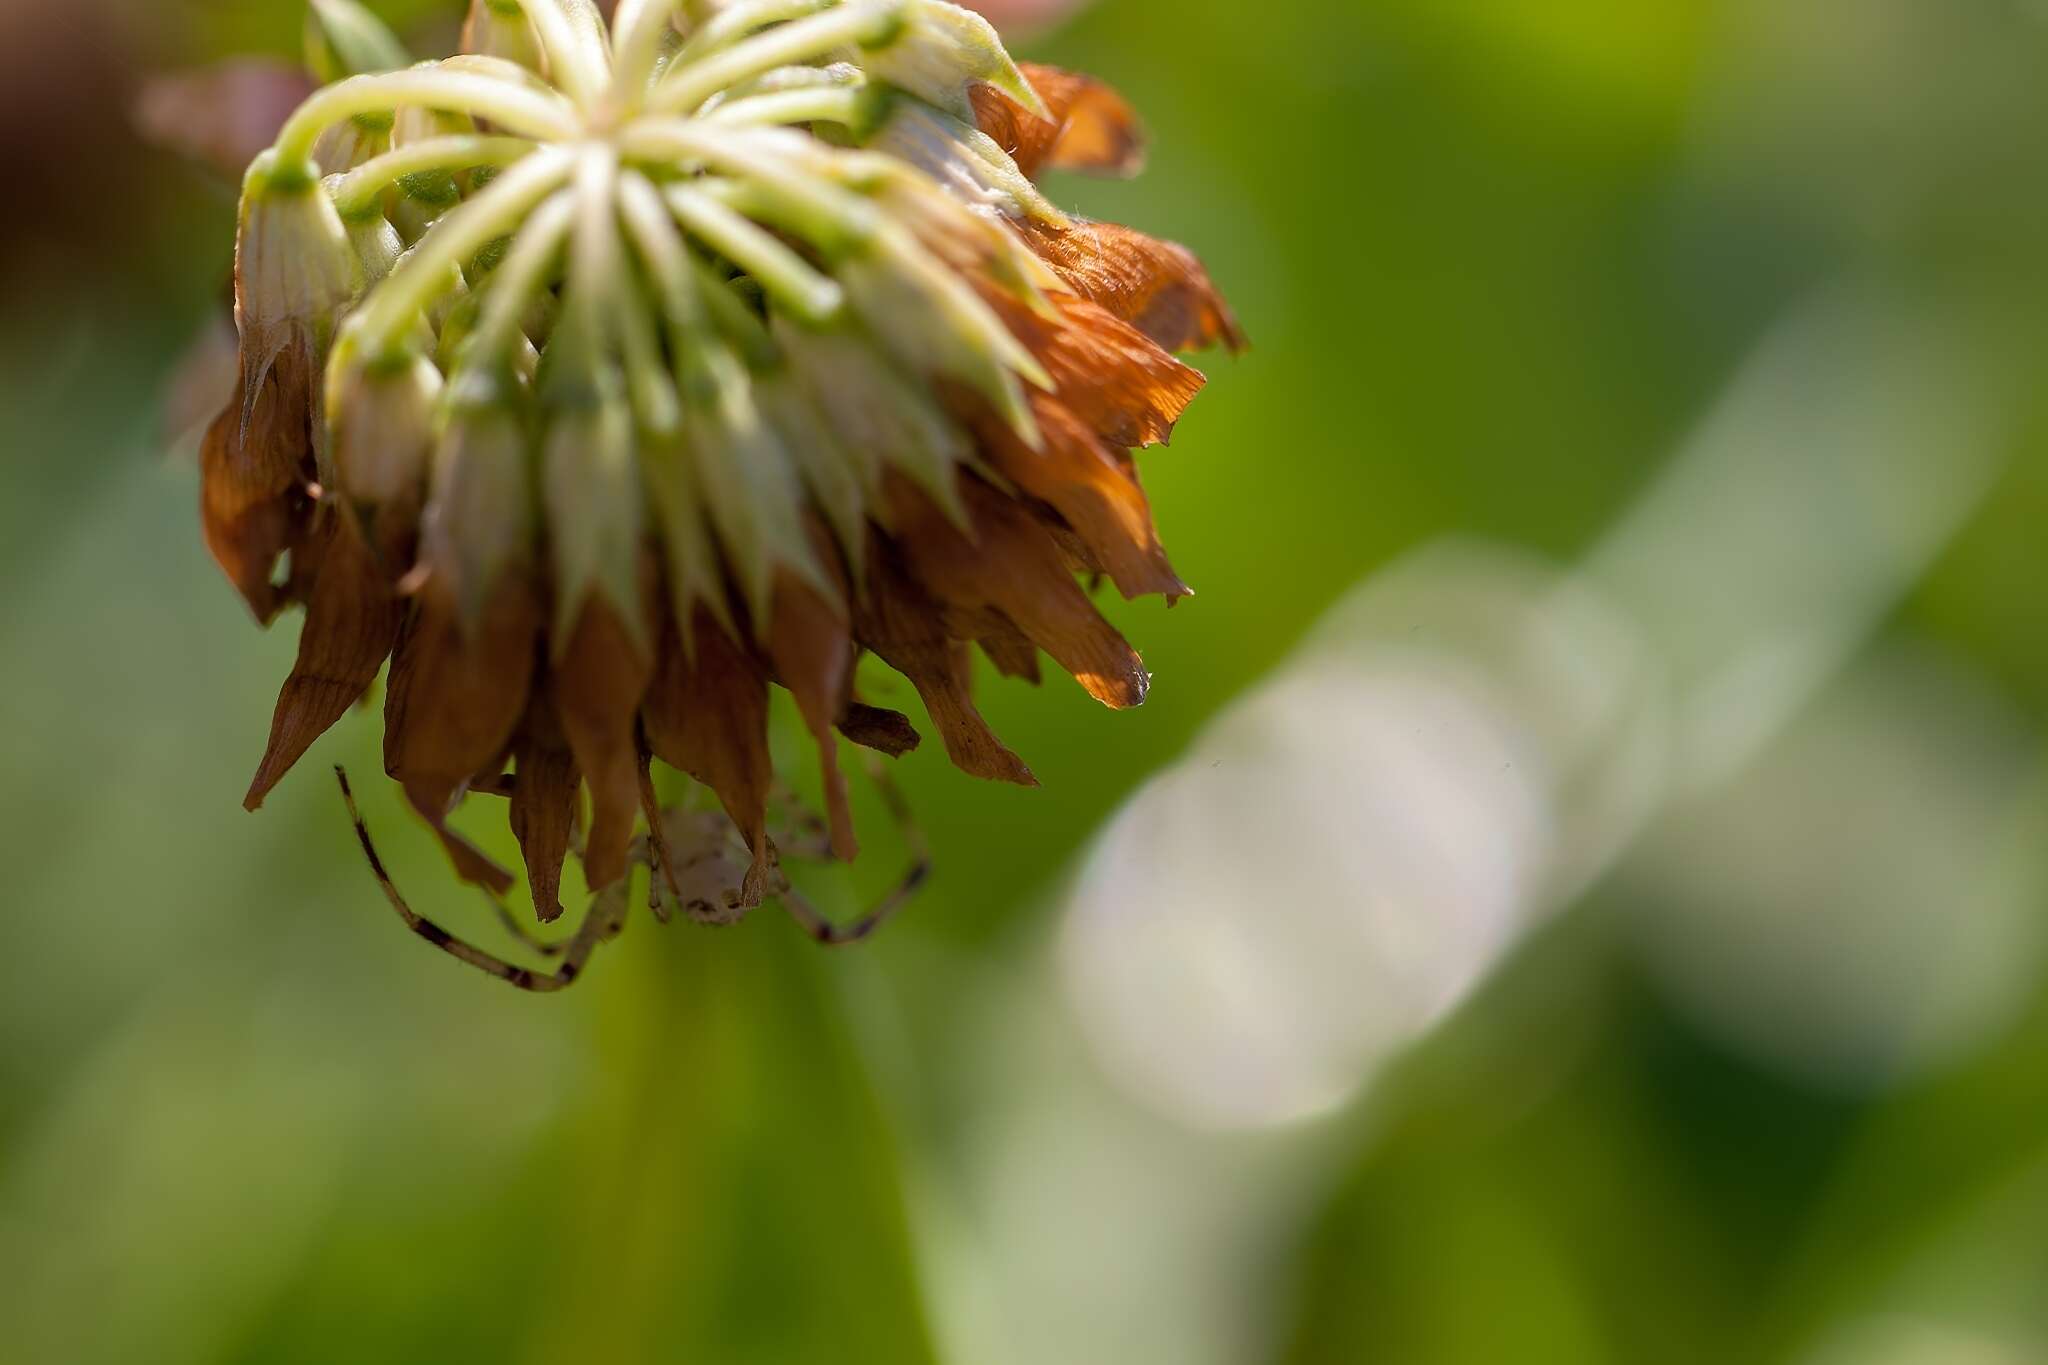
x,y
697,864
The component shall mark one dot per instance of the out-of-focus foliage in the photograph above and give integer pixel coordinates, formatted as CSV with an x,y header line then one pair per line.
x,y
1712,332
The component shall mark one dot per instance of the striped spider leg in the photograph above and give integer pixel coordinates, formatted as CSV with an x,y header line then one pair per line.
x,y
604,922
811,841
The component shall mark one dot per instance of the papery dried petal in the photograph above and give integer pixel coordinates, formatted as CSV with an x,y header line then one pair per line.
x,y
1008,648
1159,287
544,797
1091,127
707,715
456,697
250,482
1104,506
902,625
1014,566
1127,388
351,624
599,682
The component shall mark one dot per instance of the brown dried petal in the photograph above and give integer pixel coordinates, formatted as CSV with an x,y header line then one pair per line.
x,y
1159,287
901,624
454,701
351,624
600,680
707,714
1092,128
889,733
1129,390
1084,482
811,646
1010,650
544,797
250,476
1016,567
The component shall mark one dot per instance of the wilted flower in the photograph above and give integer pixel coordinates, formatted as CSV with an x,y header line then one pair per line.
x,y
599,379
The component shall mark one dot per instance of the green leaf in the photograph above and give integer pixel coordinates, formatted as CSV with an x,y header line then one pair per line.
x,y
344,39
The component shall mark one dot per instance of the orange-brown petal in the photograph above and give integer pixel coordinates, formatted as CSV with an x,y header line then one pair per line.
x,y
1103,506
454,702
903,625
544,797
254,460
1092,128
707,714
1015,566
1126,387
351,624
1159,287
1009,649
600,680
811,645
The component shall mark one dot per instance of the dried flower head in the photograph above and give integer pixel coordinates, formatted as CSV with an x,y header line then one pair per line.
x,y
600,379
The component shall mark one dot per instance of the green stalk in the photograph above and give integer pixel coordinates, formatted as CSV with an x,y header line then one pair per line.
x,y
517,109
784,275
496,212
866,23
357,192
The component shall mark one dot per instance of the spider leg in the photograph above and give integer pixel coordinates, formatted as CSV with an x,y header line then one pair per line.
x,y
661,858
833,935
544,947
810,839
604,921
502,785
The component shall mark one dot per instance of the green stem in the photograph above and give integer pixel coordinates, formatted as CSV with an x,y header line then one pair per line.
x,y
661,250
834,219
785,276
865,23
356,193
819,104
519,278
393,305
517,109
736,21
639,28
594,274
576,57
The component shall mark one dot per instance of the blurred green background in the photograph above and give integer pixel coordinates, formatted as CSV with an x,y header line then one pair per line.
x,y
1575,895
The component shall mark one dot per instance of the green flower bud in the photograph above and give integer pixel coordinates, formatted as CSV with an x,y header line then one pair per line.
x,y
751,491
351,142
943,52
377,246
878,413
295,274
383,415
294,265
591,480
500,28
479,517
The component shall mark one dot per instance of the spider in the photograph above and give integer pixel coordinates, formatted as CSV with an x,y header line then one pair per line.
x,y
694,859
